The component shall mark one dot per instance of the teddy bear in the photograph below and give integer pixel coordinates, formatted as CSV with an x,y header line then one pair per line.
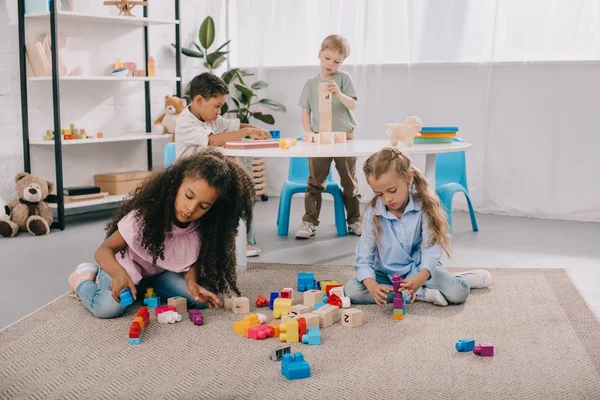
x,y
166,122
405,132
29,212
4,209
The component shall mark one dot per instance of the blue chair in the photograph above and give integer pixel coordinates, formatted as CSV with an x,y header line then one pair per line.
x,y
451,178
170,154
296,183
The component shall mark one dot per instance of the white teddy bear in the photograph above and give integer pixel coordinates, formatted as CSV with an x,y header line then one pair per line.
x,y
405,132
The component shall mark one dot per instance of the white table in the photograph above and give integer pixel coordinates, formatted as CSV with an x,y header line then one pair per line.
x,y
355,148
352,148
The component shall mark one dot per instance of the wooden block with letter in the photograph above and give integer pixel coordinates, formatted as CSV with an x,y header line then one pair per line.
x,y
311,138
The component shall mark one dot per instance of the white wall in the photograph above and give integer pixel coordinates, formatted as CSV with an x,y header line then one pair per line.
x,y
110,107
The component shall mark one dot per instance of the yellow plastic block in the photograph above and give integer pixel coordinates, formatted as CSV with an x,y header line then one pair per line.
x,y
282,307
324,285
242,325
289,331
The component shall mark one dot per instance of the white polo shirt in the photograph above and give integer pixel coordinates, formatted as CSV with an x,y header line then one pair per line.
x,y
192,133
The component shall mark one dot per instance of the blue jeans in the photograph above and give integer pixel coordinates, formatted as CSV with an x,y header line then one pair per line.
x,y
454,288
98,297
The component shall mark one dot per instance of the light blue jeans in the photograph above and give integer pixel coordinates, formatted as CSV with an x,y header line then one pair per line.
x,y
98,297
454,288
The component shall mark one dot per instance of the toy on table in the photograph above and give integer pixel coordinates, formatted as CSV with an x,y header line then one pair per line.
x,y
151,67
484,350
306,281
404,132
126,299
465,344
277,354
125,6
138,326
294,366
325,135
196,316
275,134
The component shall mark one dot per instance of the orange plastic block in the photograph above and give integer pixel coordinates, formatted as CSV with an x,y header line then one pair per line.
x,y
248,321
398,317
276,330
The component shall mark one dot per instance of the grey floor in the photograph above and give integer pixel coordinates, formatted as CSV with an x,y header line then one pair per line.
x,y
34,271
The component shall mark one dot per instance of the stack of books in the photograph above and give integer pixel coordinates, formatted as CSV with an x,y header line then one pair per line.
x,y
436,134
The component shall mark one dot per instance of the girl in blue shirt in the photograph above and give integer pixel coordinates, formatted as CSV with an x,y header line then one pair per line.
x,y
404,232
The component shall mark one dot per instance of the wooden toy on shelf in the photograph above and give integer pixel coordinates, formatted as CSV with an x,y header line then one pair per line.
x,y
125,6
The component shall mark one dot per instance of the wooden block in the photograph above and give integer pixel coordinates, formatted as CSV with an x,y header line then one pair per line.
x,y
328,315
311,138
339,137
312,296
311,320
325,98
353,317
326,137
228,301
241,305
325,119
180,304
300,309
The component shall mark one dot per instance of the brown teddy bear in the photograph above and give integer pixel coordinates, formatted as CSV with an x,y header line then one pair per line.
x,y
166,122
29,212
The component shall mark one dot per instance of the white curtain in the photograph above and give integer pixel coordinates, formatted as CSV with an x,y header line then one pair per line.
x,y
519,78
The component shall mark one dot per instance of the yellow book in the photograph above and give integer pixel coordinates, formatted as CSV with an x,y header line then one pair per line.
x,y
438,134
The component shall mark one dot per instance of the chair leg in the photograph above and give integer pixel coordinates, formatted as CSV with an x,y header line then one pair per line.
x,y
472,214
283,216
340,213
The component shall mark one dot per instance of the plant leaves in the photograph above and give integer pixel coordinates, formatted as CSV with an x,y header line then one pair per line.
x,y
199,48
266,118
223,45
273,105
245,90
259,85
213,58
206,35
224,108
237,103
229,76
188,52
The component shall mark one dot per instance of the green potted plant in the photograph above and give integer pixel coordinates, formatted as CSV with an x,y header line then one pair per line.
x,y
244,97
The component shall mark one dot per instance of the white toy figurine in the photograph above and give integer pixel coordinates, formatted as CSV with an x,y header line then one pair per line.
x,y
169,317
405,132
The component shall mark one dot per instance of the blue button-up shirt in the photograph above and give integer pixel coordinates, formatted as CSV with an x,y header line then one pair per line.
x,y
400,248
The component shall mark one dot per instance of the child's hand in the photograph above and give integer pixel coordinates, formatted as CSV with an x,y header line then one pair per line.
x,y
412,284
379,293
200,294
333,88
259,133
120,281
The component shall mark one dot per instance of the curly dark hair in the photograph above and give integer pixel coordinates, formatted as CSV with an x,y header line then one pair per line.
x,y
208,86
154,203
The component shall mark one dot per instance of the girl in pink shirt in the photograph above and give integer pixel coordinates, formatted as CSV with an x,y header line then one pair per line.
x,y
176,234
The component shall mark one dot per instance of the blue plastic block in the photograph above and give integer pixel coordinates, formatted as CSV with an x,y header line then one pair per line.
x,y
294,366
319,305
126,298
306,281
152,301
312,336
274,295
325,298
465,344
135,340
275,134
322,280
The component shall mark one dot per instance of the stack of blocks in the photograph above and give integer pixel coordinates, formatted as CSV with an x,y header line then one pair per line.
x,y
259,176
325,135
138,326
150,298
399,306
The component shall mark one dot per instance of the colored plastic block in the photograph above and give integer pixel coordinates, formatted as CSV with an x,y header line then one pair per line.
x,y
352,317
289,331
262,301
319,305
150,293
334,300
138,326
282,307
126,299
180,303
301,328
245,323
277,354
260,332
274,295
286,293
169,317
135,340
338,290
276,330
325,284
306,281
398,317
192,312
294,366
396,281
346,302
312,336
152,301
162,309
398,301
466,344
484,350
329,288
198,319
262,318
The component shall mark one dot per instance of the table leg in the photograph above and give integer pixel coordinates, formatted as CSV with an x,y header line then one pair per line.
x,y
242,237
430,170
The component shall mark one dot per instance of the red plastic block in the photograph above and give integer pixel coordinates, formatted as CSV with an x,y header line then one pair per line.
x,y
162,309
301,328
334,300
328,289
262,301
286,294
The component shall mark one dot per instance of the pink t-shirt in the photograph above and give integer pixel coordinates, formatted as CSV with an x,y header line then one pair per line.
x,y
182,249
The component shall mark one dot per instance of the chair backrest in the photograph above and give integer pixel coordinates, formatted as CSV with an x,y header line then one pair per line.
x,y
451,167
299,171
170,154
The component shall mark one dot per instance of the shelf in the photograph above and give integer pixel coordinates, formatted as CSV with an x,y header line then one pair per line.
x,y
106,78
108,200
105,139
79,16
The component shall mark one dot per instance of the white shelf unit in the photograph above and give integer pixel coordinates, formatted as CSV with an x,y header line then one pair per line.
x,y
105,78
86,18
111,19
105,139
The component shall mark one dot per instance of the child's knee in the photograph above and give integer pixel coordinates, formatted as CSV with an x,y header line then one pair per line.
x,y
108,308
458,296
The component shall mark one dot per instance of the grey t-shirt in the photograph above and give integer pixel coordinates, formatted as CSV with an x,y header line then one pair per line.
x,y
342,118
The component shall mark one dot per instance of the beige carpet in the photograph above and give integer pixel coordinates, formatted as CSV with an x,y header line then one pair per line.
x,y
547,347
